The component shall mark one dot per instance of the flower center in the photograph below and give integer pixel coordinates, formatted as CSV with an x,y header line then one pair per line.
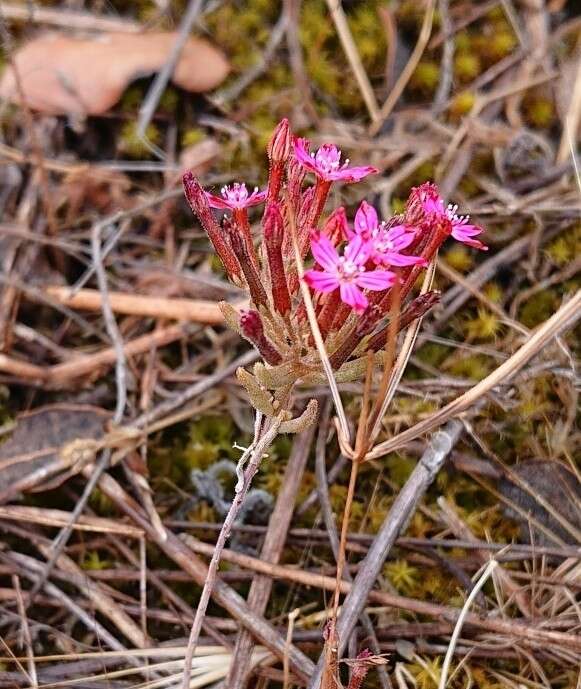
x,y
328,159
236,194
348,270
454,218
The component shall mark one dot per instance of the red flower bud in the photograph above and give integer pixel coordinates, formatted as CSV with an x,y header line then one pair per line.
x,y
253,331
279,146
336,226
238,244
273,238
198,201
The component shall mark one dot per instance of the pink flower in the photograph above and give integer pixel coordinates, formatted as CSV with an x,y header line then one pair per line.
x,y
326,163
347,272
433,205
385,244
236,197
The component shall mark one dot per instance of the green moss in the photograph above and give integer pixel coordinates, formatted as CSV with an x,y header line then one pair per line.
x,y
462,104
132,145
192,136
425,77
427,672
401,575
432,353
485,326
169,100
466,66
538,308
92,561
501,44
399,468
539,111
459,257
476,367
566,247
494,292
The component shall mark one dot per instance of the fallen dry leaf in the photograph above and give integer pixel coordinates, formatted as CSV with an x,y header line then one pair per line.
x,y
60,75
33,457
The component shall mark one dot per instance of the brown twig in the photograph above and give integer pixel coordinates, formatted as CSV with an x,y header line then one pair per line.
x,y
272,548
191,310
404,505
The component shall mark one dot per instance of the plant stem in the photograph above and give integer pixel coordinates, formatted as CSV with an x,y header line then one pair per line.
x,y
253,455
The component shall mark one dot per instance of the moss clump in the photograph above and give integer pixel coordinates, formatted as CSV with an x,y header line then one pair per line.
x,y
485,326
401,575
539,111
459,258
135,147
493,291
462,104
566,247
425,77
467,66
475,367
538,308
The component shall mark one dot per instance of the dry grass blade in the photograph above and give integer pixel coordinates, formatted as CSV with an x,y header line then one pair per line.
x,y
402,360
486,574
564,319
404,77
316,332
350,48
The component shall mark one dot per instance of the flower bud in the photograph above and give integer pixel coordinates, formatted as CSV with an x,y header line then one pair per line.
x,y
279,146
273,238
336,226
198,201
255,286
253,330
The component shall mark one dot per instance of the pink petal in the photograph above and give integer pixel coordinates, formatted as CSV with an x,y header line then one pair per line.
x,y
325,253
352,174
376,280
352,295
475,243
255,198
365,219
400,241
301,148
358,250
465,230
217,201
392,258
321,281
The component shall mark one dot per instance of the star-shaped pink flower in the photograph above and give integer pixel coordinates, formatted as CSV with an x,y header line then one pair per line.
x,y
346,273
385,244
236,197
463,231
326,163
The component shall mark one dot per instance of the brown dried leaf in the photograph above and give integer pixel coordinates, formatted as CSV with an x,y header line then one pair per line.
x,y
61,75
38,454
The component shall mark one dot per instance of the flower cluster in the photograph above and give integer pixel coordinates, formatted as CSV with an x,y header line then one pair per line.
x,y
359,272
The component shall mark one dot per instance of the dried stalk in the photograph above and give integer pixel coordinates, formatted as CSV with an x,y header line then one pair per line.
x,y
402,509
253,455
460,622
564,319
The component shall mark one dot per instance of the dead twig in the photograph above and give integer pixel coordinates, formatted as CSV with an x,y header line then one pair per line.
x,y
408,70
272,548
156,89
564,319
149,306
